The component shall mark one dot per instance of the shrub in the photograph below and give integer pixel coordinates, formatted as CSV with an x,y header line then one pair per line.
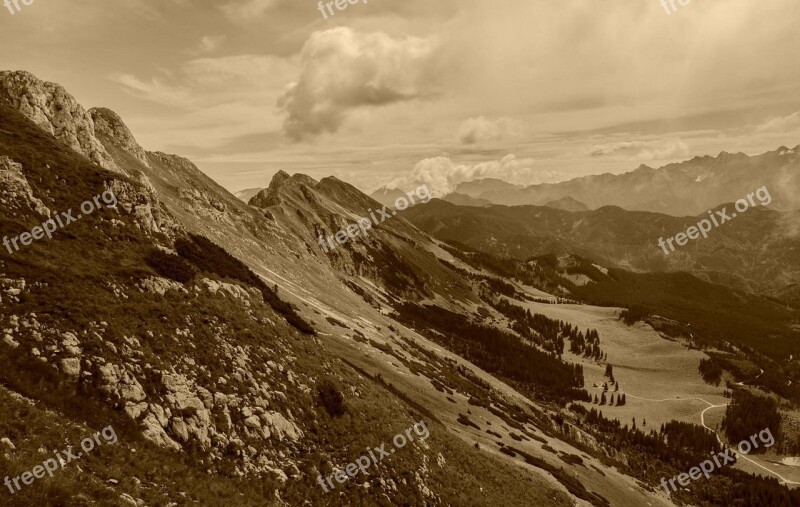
x,y
210,258
331,398
170,266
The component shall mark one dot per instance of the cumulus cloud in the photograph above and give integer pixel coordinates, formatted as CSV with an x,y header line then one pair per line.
x,y
343,70
780,124
642,150
442,175
481,129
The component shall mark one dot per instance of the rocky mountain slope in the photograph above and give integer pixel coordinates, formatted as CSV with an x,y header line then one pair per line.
x,y
217,367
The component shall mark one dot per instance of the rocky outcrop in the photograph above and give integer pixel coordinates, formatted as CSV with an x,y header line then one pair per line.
x,y
119,383
142,203
109,124
15,190
56,112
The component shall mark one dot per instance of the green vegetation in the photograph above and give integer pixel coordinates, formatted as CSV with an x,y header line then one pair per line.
x,y
170,266
331,398
710,371
748,414
210,258
502,353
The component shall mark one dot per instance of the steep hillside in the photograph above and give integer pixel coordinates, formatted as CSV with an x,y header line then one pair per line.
x,y
125,319
192,353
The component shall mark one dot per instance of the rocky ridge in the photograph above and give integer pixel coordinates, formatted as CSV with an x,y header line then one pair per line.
x,y
55,111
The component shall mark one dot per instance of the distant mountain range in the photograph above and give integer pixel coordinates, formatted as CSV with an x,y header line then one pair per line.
x,y
685,188
247,193
759,251
679,189
567,204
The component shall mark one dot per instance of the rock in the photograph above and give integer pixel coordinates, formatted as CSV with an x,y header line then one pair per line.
x,y
161,417
10,341
109,124
160,286
220,400
181,395
142,204
15,190
179,429
117,381
198,428
55,111
253,422
206,397
223,420
71,344
156,434
6,442
135,410
282,427
71,367
126,499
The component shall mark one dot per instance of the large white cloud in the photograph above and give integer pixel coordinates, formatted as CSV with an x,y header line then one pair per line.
x,y
343,70
442,175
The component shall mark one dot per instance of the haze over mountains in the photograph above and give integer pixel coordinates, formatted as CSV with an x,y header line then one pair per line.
x,y
682,189
240,362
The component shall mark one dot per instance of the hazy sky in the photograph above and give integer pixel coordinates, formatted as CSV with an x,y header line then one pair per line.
x,y
435,91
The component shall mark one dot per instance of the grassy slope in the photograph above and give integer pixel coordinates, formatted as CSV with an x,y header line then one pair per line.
x,y
70,277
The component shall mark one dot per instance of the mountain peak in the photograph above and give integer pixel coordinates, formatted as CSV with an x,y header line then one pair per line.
x,y
55,111
109,124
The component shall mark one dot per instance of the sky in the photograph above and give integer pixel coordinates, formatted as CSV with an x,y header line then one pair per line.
x,y
403,92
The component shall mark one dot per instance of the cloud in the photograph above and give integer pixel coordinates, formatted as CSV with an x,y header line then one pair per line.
x,y
642,150
481,129
442,175
243,10
217,99
780,124
343,70
209,43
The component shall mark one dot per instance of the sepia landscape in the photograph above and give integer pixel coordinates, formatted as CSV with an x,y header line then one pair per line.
x,y
457,253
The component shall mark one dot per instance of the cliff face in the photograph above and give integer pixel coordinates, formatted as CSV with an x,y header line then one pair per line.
x,y
55,111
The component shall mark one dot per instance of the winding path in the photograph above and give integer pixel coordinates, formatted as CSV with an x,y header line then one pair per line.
x,y
703,422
